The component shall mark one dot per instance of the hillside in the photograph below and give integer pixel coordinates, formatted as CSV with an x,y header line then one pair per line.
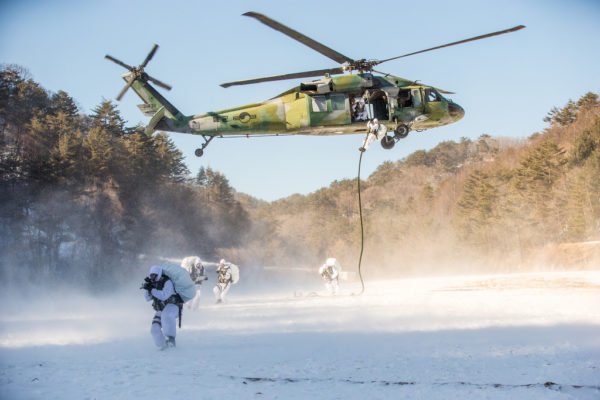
x,y
488,205
84,197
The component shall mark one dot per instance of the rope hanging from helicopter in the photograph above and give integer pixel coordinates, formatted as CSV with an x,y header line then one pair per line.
x,y
362,232
362,229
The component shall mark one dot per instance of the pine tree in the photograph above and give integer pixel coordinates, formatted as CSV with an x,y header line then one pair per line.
x,y
67,156
477,206
170,158
62,102
108,117
100,151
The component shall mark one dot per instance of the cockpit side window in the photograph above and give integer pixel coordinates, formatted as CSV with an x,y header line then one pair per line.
x,y
432,96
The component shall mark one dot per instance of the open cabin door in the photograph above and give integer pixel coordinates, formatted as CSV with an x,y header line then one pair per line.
x,y
374,105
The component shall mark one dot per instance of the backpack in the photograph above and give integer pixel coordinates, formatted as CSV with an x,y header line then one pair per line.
x,y
235,273
188,263
184,285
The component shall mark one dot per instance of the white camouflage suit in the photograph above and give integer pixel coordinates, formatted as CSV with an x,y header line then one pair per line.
x,y
197,275
224,280
376,131
330,272
164,323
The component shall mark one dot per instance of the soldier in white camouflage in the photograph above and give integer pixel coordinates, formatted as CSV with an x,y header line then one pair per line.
x,y
224,281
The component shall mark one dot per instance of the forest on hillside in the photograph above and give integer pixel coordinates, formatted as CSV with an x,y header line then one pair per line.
x,y
83,197
485,205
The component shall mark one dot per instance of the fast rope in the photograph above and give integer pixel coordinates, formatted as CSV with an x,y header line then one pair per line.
x,y
362,231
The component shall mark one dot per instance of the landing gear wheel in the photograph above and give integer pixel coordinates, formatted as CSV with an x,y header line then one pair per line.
x,y
388,142
401,132
199,152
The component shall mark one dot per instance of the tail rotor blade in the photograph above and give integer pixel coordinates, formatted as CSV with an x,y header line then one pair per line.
x,y
120,96
149,56
119,62
159,83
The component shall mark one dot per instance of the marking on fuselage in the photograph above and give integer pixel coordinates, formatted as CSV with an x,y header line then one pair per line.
x,y
244,117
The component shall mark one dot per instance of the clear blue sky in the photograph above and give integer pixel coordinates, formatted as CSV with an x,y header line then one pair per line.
x,y
506,84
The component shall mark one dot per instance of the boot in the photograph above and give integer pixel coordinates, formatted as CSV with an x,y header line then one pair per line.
x,y
170,341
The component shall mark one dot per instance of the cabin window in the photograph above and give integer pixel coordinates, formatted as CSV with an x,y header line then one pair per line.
x,y
432,96
319,104
338,102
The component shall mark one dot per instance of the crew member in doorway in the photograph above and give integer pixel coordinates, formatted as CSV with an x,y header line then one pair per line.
x,y
359,109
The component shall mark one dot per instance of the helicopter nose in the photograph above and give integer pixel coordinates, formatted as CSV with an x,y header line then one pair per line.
x,y
456,111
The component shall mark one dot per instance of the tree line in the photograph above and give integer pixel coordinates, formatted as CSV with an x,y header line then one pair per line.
x,y
84,196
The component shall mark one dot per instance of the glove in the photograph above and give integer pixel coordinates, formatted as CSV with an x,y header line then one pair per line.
x,y
148,284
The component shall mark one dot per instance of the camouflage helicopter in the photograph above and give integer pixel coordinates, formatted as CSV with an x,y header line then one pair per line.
x,y
331,105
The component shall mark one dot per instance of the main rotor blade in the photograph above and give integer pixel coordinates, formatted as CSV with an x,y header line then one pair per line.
x,y
516,28
313,44
306,74
149,56
444,91
121,63
415,82
157,82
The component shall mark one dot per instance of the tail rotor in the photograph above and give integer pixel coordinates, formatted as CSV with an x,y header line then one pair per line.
x,y
136,73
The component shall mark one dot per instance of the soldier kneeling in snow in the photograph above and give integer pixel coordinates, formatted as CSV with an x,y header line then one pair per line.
x,y
167,303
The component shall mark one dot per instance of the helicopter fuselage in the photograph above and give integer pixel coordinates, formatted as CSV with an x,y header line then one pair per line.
x,y
322,107
337,104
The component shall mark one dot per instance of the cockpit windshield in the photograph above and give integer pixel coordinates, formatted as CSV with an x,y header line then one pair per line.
x,y
431,95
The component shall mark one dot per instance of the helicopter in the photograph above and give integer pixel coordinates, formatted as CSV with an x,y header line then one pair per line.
x,y
340,102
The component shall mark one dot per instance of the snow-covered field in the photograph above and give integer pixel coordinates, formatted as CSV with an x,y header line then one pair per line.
x,y
526,336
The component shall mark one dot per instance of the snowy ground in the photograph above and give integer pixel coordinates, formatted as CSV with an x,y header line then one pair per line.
x,y
527,336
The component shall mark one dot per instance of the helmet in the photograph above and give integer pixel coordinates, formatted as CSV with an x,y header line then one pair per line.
x,y
222,262
330,262
197,261
375,121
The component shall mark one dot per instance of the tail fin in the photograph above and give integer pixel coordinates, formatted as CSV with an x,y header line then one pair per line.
x,y
163,113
